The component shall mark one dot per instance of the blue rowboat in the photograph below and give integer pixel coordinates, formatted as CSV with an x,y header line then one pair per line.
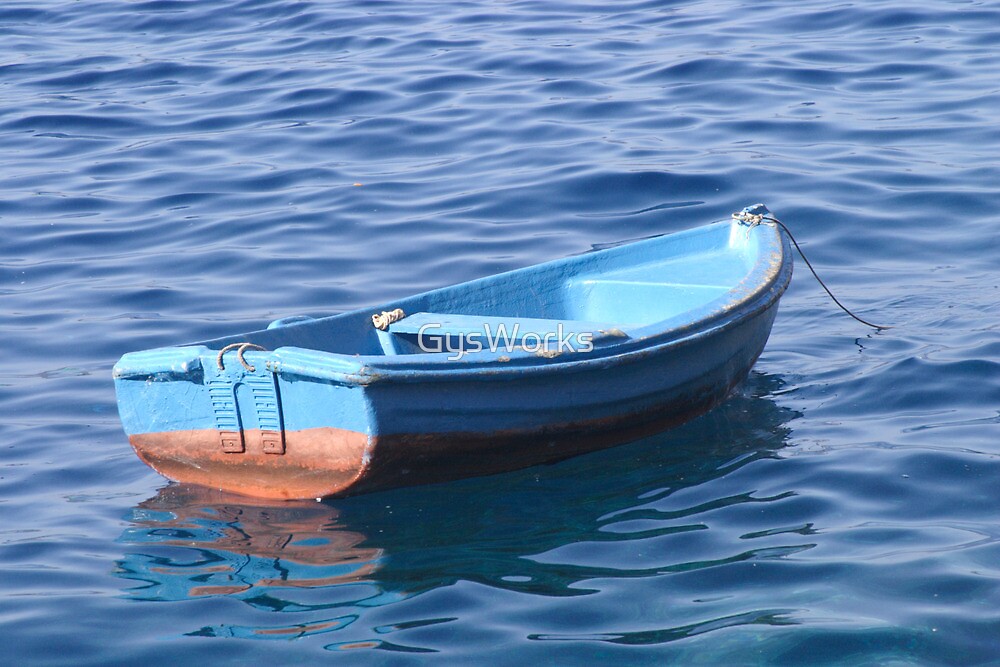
x,y
486,376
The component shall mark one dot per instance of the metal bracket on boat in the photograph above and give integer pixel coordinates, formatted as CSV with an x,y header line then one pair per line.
x,y
263,399
240,349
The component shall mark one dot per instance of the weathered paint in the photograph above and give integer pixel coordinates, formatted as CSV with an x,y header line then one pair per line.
x,y
317,462
328,462
361,409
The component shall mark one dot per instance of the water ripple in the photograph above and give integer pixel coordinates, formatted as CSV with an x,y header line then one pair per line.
x,y
175,171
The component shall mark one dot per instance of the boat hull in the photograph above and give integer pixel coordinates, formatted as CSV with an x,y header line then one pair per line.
x,y
548,419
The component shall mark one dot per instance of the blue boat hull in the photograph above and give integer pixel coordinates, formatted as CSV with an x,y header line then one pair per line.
x,y
304,417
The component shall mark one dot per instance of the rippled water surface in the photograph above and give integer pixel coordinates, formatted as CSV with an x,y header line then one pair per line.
x,y
173,171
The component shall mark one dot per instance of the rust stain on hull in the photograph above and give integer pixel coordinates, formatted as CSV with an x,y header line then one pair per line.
x,y
324,462
317,462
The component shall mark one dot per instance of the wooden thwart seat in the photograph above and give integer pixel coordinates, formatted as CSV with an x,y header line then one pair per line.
x,y
433,332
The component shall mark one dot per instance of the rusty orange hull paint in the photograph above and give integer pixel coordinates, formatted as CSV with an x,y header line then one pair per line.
x,y
317,462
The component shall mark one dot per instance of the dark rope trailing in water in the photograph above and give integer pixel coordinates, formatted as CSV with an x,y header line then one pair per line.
x,y
756,218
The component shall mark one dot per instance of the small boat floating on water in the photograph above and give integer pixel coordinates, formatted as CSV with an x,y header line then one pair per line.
x,y
495,374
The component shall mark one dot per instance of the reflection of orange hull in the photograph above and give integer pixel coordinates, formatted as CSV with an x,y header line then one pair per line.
x,y
244,547
295,532
328,461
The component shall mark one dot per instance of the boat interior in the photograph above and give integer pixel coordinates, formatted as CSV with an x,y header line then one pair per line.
x,y
609,294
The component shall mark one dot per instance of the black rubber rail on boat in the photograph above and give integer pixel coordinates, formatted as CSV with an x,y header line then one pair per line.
x,y
757,218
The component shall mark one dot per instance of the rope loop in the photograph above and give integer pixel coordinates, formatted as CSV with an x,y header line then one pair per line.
x,y
240,349
382,320
747,218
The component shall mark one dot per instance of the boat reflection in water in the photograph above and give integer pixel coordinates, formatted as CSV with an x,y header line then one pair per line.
x,y
292,544
326,563
196,543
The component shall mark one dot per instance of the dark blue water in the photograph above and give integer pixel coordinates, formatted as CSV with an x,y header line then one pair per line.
x,y
173,171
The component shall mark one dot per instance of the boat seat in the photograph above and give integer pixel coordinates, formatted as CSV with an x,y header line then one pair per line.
x,y
439,332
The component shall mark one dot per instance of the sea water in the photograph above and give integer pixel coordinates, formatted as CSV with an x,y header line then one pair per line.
x,y
172,171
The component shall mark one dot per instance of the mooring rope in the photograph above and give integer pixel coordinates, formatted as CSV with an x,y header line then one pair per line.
x,y
386,317
240,349
754,219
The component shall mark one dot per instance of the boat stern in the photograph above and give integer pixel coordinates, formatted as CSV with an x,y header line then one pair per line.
x,y
226,419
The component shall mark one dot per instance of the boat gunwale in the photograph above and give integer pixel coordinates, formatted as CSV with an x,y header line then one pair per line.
x,y
648,339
